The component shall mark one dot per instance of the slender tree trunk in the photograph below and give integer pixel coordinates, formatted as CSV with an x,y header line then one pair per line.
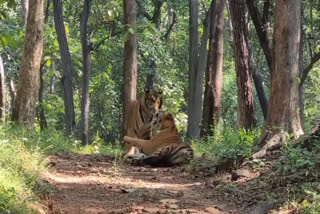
x,y
301,67
129,93
193,123
2,91
86,48
42,116
230,22
261,30
25,9
51,88
66,67
213,86
260,91
12,93
27,93
246,118
283,115
197,65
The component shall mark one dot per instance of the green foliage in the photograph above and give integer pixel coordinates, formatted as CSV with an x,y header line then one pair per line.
x,y
311,204
228,144
296,159
312,98
20,168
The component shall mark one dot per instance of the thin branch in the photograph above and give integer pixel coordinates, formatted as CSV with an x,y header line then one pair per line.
x,y
174,21
306,71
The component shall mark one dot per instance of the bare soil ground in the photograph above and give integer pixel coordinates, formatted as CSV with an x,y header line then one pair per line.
x,y
93,184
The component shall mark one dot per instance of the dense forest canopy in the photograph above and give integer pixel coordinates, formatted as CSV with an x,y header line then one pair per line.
x,y
162,29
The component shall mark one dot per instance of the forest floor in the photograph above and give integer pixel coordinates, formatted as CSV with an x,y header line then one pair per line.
x,y
93,184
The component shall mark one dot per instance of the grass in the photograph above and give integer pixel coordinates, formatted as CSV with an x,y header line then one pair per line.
x,y
23,157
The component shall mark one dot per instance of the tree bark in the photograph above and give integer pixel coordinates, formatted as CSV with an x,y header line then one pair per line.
x,y
193,122
25,9
260,92
283,115
2,91
66,67
245,111
301,67
212,108
42,116
12,93
51,87
27,93
197,66
129,92
86,48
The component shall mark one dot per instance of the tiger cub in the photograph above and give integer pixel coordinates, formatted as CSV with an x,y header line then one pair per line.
x,y
165,148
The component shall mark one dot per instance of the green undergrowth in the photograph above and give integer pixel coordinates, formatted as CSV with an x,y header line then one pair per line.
x,y
301,169
227,144
23,155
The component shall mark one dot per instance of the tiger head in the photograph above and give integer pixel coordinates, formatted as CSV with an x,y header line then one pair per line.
x,y
153,100
167,121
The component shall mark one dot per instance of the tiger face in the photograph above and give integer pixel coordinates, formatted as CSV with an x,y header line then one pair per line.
x,y
153,101
167,121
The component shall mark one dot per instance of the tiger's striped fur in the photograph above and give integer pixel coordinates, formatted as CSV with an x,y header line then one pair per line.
x,y
165,148
139,124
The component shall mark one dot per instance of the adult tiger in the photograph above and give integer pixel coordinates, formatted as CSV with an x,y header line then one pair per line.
x,y
139,123
164,149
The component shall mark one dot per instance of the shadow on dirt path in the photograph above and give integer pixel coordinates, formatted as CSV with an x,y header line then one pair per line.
x,y
93,184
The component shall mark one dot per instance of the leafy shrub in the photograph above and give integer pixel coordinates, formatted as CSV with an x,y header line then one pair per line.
x,y
228,144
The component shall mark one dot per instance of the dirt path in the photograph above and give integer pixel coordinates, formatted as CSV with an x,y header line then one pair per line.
x,y
93,184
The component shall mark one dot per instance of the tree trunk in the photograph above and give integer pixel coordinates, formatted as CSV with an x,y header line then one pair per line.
x,y
283,115
86,48
12,93
301,67
27,93
193,122
25,8
213,86
245,111
51,88
42,116
261,30
260,92
197,66
129,93
66,67
2,91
